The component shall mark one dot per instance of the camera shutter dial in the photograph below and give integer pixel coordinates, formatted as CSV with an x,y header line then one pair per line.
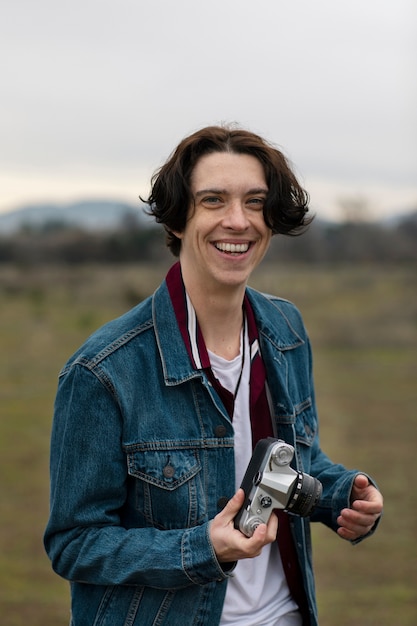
x,y
282,454
265,501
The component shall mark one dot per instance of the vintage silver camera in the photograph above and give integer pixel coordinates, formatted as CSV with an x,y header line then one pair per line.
x,y
270,483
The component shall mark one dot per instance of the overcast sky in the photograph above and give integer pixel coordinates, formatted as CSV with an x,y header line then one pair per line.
x,y
96,93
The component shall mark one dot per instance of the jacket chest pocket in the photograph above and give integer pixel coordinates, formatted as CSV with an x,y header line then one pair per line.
x,y
168,487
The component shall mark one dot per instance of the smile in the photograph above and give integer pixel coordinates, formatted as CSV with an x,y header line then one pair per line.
x,y
232,248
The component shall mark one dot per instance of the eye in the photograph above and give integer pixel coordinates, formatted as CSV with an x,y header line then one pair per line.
x,y
212,201
256,203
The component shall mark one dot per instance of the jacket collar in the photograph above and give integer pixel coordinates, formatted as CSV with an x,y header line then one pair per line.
x,y
273,320
273,325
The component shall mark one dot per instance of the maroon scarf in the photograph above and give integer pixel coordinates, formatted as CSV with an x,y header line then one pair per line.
x,y
197,351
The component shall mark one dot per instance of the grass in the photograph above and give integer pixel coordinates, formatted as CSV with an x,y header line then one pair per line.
x,y
363,325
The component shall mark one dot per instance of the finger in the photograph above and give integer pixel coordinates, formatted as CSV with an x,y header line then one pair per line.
x,y
258,539
273,527
351,516
356,523
263,534
367,507
350,530
349,535
370,502
267,533
353,533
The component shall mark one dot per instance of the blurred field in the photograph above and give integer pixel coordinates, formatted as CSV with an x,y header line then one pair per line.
x,y
363,325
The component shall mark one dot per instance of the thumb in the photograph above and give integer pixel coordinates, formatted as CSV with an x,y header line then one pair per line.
x,y
234,504
361,481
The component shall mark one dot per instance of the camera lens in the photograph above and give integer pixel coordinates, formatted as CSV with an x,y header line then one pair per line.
x,y
305,496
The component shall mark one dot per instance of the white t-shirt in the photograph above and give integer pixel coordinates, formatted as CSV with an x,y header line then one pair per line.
x,y
257,593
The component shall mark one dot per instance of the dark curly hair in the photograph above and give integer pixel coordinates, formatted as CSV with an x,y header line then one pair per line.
x,y
286,206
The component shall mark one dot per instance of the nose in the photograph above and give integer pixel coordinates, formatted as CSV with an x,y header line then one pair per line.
x,y
235,216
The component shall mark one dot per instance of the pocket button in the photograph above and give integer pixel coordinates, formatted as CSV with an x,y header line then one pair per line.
x,y
168,471
220,431
221,502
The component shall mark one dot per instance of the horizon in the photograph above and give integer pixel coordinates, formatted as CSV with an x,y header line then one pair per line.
x,y
326,197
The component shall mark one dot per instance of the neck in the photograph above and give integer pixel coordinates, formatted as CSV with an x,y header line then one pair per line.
x,y
222,333
220,317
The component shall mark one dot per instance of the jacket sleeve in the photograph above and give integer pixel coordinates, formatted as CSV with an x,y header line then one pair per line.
x,y
85,537
336,480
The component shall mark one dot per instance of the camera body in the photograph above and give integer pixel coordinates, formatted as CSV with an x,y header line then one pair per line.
x,y
270,483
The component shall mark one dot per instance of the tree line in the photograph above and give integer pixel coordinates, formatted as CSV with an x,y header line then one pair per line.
x,y
131,241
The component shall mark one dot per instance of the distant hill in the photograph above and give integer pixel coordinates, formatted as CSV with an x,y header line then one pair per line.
x,y
106,215
90,215
117,232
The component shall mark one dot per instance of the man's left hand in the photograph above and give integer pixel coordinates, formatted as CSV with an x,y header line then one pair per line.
x,y
366,508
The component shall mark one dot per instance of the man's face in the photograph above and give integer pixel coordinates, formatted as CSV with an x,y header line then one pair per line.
x,y
225,237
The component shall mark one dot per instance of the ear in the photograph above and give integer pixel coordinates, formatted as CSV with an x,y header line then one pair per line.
x,y
177,233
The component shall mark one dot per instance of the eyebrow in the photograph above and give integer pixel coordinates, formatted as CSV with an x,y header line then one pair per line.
x,y
250,192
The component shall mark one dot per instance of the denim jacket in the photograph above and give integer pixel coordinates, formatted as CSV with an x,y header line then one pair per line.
x,y
142,459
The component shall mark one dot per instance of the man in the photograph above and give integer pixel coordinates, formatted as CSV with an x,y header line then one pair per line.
x,y
157,414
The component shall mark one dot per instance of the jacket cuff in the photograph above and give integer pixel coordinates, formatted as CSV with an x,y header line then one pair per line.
x,y
199,559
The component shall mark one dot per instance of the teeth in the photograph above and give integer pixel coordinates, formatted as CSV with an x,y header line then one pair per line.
x,y
233,248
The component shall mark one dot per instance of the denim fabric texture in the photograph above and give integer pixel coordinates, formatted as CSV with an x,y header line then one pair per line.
x,y
142,459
